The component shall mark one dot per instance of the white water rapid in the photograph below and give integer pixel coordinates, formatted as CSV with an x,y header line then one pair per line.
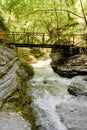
x,y
49,91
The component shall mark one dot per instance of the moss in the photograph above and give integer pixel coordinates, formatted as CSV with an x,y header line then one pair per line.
x,y
28,114
25,71
19,100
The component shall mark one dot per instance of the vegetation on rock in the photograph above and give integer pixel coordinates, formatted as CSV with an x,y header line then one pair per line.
x,y
13,85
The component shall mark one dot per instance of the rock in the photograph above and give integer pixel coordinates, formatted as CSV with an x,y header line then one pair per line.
x,y
13,120
8,70
78,86
73,114
76,91
70,66
14,75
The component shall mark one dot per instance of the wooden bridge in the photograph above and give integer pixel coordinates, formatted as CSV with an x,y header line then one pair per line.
x,y
43,40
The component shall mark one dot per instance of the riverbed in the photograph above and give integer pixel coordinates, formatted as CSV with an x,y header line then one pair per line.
x,y
53,106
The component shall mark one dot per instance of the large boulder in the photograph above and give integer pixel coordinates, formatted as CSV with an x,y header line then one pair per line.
x,y
73,114
69,66
78,86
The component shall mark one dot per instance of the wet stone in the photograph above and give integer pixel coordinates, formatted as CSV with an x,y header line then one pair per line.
x,y
73,115
13,121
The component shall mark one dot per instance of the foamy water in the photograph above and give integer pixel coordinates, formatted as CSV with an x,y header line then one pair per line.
x,y
40,63
48,91
45,105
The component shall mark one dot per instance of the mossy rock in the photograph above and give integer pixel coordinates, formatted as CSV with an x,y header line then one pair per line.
x,y
25,71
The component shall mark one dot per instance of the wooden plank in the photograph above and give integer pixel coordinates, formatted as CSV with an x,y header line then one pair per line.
x,y
38,45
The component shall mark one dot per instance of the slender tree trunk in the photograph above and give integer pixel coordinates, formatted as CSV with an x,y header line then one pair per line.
x,y
67,4
61,4
56,16
72,1
83,13
9,18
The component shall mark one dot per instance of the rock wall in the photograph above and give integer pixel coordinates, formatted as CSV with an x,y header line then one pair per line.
x,y
69,63
8,70
14,100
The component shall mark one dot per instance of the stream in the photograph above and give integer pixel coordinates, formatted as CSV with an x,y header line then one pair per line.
x,y
54,107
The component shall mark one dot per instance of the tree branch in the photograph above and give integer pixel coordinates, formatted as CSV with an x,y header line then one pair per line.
x,y
53,10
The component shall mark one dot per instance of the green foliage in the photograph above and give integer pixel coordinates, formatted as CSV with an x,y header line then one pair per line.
x,y
25,71
44,16
31,13
2,23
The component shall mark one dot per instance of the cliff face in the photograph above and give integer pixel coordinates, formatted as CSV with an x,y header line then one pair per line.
x,y
14,101
8,70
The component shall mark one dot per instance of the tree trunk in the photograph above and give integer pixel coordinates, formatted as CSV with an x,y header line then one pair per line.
x,y
83,13
67,4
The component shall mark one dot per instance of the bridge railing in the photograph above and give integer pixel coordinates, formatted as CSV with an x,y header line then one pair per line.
x,y
32,38
70,39
42,38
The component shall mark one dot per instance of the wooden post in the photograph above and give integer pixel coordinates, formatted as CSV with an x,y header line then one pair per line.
x,y
73,39
28,40
14,35
69,39
43,39
58,37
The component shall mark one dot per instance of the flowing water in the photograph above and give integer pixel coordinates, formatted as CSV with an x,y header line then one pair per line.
x,y
51,101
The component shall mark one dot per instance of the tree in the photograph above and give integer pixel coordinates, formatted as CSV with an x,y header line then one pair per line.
x,y
83,13
31,15
3,29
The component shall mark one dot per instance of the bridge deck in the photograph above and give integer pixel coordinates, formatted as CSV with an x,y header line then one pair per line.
x,y
42,40
38,45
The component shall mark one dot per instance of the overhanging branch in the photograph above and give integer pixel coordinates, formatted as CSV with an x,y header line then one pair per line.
x,y
53,10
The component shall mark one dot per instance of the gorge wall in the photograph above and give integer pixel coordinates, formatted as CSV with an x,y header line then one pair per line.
x,y
69,62
15,110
